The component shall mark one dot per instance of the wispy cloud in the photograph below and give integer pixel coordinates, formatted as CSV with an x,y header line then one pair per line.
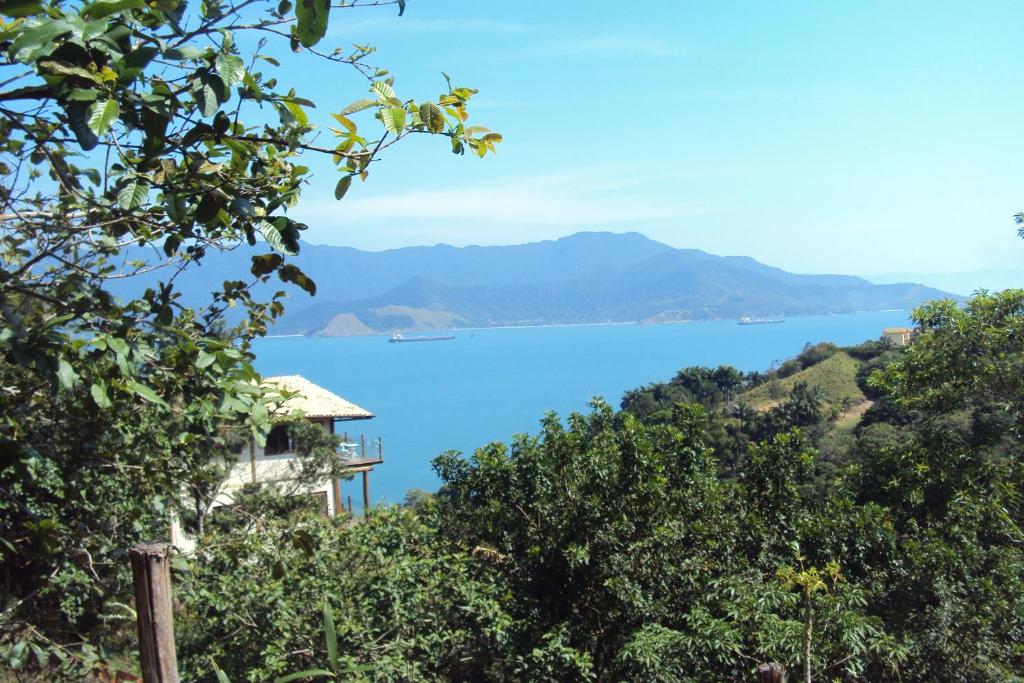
x,y
506,210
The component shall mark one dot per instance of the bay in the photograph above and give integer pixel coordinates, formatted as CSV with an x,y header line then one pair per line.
x,y
488,384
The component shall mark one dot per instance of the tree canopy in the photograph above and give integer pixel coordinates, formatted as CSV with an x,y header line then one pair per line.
x,y
141,136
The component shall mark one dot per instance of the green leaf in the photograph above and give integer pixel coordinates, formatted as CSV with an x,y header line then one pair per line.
x,y
210,92
231,69
308,673
383,89
290,273
99,395
265,264
119,346
101,115
393,119
133,193
66,375
79,120
39,40
331,636
342,187
350,125
17,654
83,95
52,66
104,8
182,53
273,237
221,676
431,116
21,8
146,392
296,112
312,18
358,105
205,360
139,58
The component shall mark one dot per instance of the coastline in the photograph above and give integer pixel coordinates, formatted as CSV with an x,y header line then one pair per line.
x,y
456,330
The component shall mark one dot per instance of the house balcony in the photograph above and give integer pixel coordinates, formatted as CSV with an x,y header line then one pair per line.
x,y
364,453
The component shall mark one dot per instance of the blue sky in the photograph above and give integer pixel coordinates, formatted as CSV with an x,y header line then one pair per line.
x,y
855,137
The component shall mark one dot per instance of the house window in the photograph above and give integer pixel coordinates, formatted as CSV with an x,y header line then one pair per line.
x,y
277,441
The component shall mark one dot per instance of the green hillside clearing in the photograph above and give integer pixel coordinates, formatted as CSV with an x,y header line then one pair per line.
x,y
836,376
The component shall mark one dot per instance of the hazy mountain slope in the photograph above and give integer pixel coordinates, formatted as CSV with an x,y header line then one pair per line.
x,y
587,277
671,285
965,283
346,274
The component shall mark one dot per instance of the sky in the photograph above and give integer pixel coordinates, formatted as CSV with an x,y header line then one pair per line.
x,y
847,137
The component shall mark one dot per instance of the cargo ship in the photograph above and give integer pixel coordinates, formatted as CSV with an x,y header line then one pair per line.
x,y
396,338
746,320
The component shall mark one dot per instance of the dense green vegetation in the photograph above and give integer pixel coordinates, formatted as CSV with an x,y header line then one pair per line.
x,y
131,127
685,538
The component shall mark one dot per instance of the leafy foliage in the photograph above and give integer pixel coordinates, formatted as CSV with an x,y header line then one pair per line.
x,y
615,546
404,604
126,124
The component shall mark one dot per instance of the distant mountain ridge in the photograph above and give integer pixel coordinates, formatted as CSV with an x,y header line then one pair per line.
x,y
589,277
965,283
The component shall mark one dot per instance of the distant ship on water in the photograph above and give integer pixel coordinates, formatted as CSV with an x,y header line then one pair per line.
x,y
746,320
397,338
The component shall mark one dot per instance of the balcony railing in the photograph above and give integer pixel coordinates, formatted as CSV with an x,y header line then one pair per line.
x,y
362,452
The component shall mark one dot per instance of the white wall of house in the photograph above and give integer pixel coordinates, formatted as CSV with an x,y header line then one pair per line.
x,y
898,338
268,469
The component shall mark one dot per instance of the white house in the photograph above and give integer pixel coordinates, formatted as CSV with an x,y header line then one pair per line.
x,y
898,336
271,463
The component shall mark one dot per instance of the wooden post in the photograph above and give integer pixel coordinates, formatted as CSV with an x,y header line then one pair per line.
x,y
337,497
151,575
380,449
362,446
366,493
349,505
772,672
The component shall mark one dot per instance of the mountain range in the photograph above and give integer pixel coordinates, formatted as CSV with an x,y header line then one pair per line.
x,y
965,283
589,277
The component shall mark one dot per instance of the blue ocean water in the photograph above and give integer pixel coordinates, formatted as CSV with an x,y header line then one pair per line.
x,y
489,384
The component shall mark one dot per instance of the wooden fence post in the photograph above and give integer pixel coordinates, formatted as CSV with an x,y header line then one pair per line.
x,y
772,672
151,575
366,493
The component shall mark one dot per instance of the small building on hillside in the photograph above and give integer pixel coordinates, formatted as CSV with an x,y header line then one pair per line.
x,y
898,336
271,464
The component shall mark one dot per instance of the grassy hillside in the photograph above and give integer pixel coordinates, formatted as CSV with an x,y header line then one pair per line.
x,y
836,376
